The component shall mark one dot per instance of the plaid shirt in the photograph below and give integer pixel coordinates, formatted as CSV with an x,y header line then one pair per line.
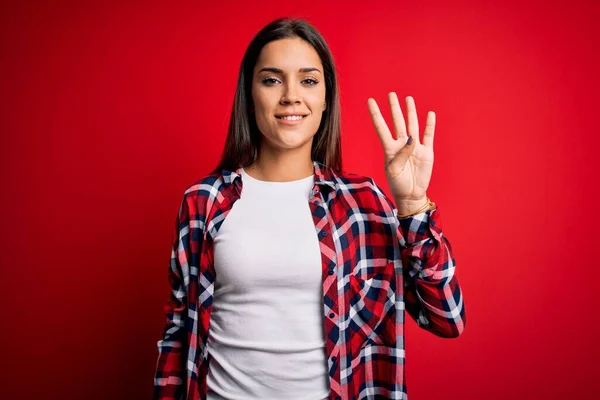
x,y
374,266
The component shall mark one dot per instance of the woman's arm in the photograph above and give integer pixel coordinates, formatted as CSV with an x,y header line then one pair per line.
x,y
169,379
432,295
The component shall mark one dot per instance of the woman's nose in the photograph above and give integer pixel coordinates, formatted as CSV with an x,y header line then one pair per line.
x,y
290,94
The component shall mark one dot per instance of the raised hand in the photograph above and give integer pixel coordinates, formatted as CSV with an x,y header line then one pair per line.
x,y
408,164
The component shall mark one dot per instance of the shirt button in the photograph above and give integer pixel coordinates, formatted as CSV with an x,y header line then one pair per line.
x,y
323,233
331,315
334,358
330,272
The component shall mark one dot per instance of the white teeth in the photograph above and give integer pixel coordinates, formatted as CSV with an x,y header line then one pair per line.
x,y
291,117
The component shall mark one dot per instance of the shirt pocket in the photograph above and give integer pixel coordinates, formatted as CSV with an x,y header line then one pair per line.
x,y
372,306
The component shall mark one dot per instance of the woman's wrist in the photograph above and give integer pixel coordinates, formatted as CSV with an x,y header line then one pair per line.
x,y
409,207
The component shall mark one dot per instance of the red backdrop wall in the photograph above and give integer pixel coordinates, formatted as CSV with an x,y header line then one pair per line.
x,y
108,111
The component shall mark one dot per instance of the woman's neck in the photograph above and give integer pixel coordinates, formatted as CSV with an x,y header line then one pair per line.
x,y
282,167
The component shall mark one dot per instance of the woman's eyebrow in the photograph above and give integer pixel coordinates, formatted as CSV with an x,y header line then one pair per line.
x,y
279,71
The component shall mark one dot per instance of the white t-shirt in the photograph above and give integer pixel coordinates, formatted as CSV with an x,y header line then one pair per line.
x,y
266,335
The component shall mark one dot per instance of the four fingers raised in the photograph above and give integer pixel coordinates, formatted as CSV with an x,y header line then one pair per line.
x,y
399,123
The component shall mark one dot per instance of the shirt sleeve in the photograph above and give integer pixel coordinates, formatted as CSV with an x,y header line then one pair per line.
x,y
169,378
433,297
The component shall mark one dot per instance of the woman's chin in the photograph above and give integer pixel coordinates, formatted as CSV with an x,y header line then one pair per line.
x,y
290,141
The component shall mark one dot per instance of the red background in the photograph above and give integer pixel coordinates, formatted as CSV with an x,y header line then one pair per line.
x,y
108,111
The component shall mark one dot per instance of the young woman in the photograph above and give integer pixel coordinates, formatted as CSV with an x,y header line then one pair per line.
x,y
290,277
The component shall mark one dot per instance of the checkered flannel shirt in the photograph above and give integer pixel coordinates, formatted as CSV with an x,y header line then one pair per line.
x,y
374,267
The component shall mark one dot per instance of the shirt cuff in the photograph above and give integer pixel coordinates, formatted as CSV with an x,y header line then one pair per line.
x,y
418,228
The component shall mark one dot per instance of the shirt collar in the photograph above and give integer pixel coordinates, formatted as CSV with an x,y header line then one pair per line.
x,y
323,175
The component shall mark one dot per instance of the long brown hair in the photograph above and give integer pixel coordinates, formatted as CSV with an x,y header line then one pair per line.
x,y
243,137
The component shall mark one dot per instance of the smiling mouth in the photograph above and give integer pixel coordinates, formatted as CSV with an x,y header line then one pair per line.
x,y
290,118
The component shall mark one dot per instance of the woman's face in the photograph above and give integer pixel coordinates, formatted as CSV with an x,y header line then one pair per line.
x,y
288,79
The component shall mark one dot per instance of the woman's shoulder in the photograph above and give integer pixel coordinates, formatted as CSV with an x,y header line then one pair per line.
x,y
363,188
204,185
205,189
354,181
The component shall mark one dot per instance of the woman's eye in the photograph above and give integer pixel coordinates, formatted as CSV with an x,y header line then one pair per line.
x,y
269,81
272,81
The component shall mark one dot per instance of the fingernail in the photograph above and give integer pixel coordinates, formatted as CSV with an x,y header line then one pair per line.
x,y
409,141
